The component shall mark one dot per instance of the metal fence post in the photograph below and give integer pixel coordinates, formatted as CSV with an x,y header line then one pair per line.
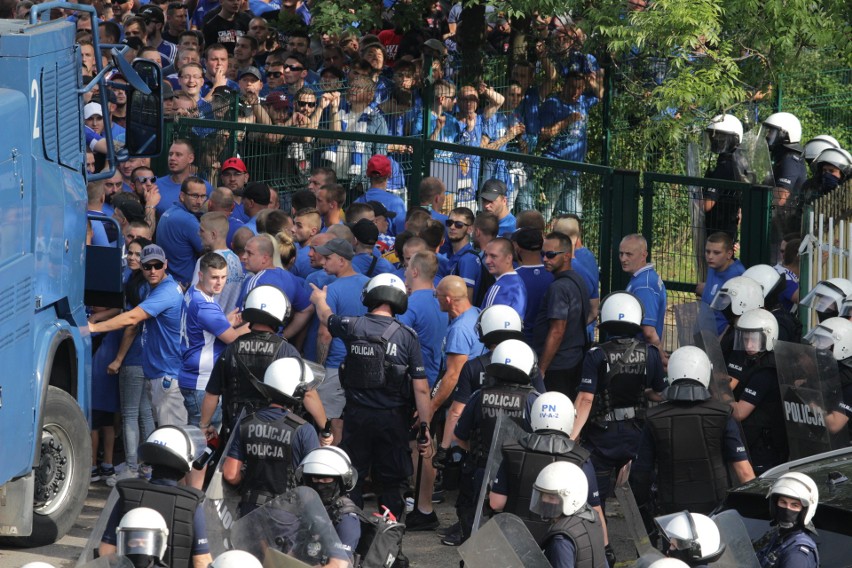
x,y
756,213
622,219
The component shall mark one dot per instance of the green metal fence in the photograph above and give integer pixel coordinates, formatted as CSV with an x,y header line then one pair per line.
x,y
821,100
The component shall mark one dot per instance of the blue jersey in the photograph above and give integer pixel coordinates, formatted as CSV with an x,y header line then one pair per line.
x,y
461,338
319,279
507,225
202,321
344,299
424,315
536,281
586,265
302,267
570,143
362,261
467,265
161,331
293,287
649,288
716,280
508,290
177,233
392,203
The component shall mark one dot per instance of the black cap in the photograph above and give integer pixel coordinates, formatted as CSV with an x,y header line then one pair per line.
x,y
528,238
153,13
132,210
366,232
492,189
380,210
258,192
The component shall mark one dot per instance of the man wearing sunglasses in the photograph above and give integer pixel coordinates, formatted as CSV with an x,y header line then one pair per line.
x,y
178,230
161,358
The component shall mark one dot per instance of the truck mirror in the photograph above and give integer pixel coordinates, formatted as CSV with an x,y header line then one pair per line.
x,y
144,131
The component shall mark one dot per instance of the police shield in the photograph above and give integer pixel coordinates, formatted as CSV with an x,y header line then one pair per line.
x,y
739,550
503,541
692,317
97,533
220,505
720,385
294,524
112,561
755,150
632,516
506,431
810,388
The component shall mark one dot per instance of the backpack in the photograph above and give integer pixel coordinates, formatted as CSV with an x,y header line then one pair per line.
x,y
381,539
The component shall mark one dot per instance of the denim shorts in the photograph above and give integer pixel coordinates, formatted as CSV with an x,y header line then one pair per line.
x,y
192,400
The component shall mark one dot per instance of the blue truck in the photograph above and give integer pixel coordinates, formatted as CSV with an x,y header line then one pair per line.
x,y
47,273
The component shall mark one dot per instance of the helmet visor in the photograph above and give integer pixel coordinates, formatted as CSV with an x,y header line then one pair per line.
x,y
719,142
846,309
752,341
678,529
721,301
546,505
774,136
824,298
145,542
820,338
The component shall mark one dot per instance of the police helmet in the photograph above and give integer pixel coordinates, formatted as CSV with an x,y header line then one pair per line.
x,y
827,297
668,563
236,559
690,362
817,144
837,157
328,461
770,280
267,305
692,537
796,486
38,565
833,334
737,296
285,381
561,488
725,133
755,332
621,314
142,531
512,361
553,411
175,447
782,128
497,323
385,289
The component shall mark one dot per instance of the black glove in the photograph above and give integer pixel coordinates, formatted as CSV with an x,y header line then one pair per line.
x,y
439,460
610,555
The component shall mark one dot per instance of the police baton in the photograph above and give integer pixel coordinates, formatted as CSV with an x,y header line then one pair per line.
x,y
421,439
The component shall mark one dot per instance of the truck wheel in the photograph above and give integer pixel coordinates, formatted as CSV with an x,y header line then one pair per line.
x,y
63,471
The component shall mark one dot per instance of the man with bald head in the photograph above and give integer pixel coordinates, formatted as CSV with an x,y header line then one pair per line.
x,y
508,288
647,285
222,201
583,261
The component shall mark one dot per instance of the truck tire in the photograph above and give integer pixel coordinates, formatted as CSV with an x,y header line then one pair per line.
x,y
62,476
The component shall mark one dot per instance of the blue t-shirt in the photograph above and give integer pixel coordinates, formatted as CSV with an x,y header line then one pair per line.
x,y
392,203
649,288
302,267
177,233
294,288
161,332
570,143
560,552
202,322
586,265
508,290
361,263
715,280
170,192
467,264
507,225
344,299
461,338
536,280
424,315
319,279
234,225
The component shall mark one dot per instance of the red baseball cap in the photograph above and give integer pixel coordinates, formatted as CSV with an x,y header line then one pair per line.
x,y
379,166
234,164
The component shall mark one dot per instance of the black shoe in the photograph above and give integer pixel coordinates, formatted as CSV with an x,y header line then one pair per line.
x,y
417,521
438,496
453,528
453,539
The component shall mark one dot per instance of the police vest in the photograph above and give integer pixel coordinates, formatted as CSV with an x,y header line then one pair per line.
x,y
764,429
268,451
177,505
689,445
523,461
584,529
509,400
249,356
368,366
774,553
623,385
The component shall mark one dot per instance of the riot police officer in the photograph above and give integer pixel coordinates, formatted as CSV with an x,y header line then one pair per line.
x,y
507,391
835,334
688,440
170,451
793,502
552,421
691,537
273,440
236,559
773,283
830,168
721,207
329,472
575,536
736,297
827,297
383,365
618,376
758,404
784,136
142,536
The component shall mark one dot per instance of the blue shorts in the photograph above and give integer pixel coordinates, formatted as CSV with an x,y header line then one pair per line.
x,y
192,400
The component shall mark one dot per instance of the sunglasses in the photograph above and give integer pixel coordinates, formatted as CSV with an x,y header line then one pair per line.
x,y
551,254
151,179
310,104
294,68
456,224
274,74
152,266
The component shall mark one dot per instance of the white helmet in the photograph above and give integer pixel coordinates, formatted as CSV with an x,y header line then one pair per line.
x,y
837,157
142,531
690,362
236,559
827,297
739,294
267,305
621,314
693,538
328,461
783,128
38,565
175,447
385,289
497,323
768,278
285,381
796,486
553,411
512,361
561,488
834,334
668,563
757,331
725,133
817,144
